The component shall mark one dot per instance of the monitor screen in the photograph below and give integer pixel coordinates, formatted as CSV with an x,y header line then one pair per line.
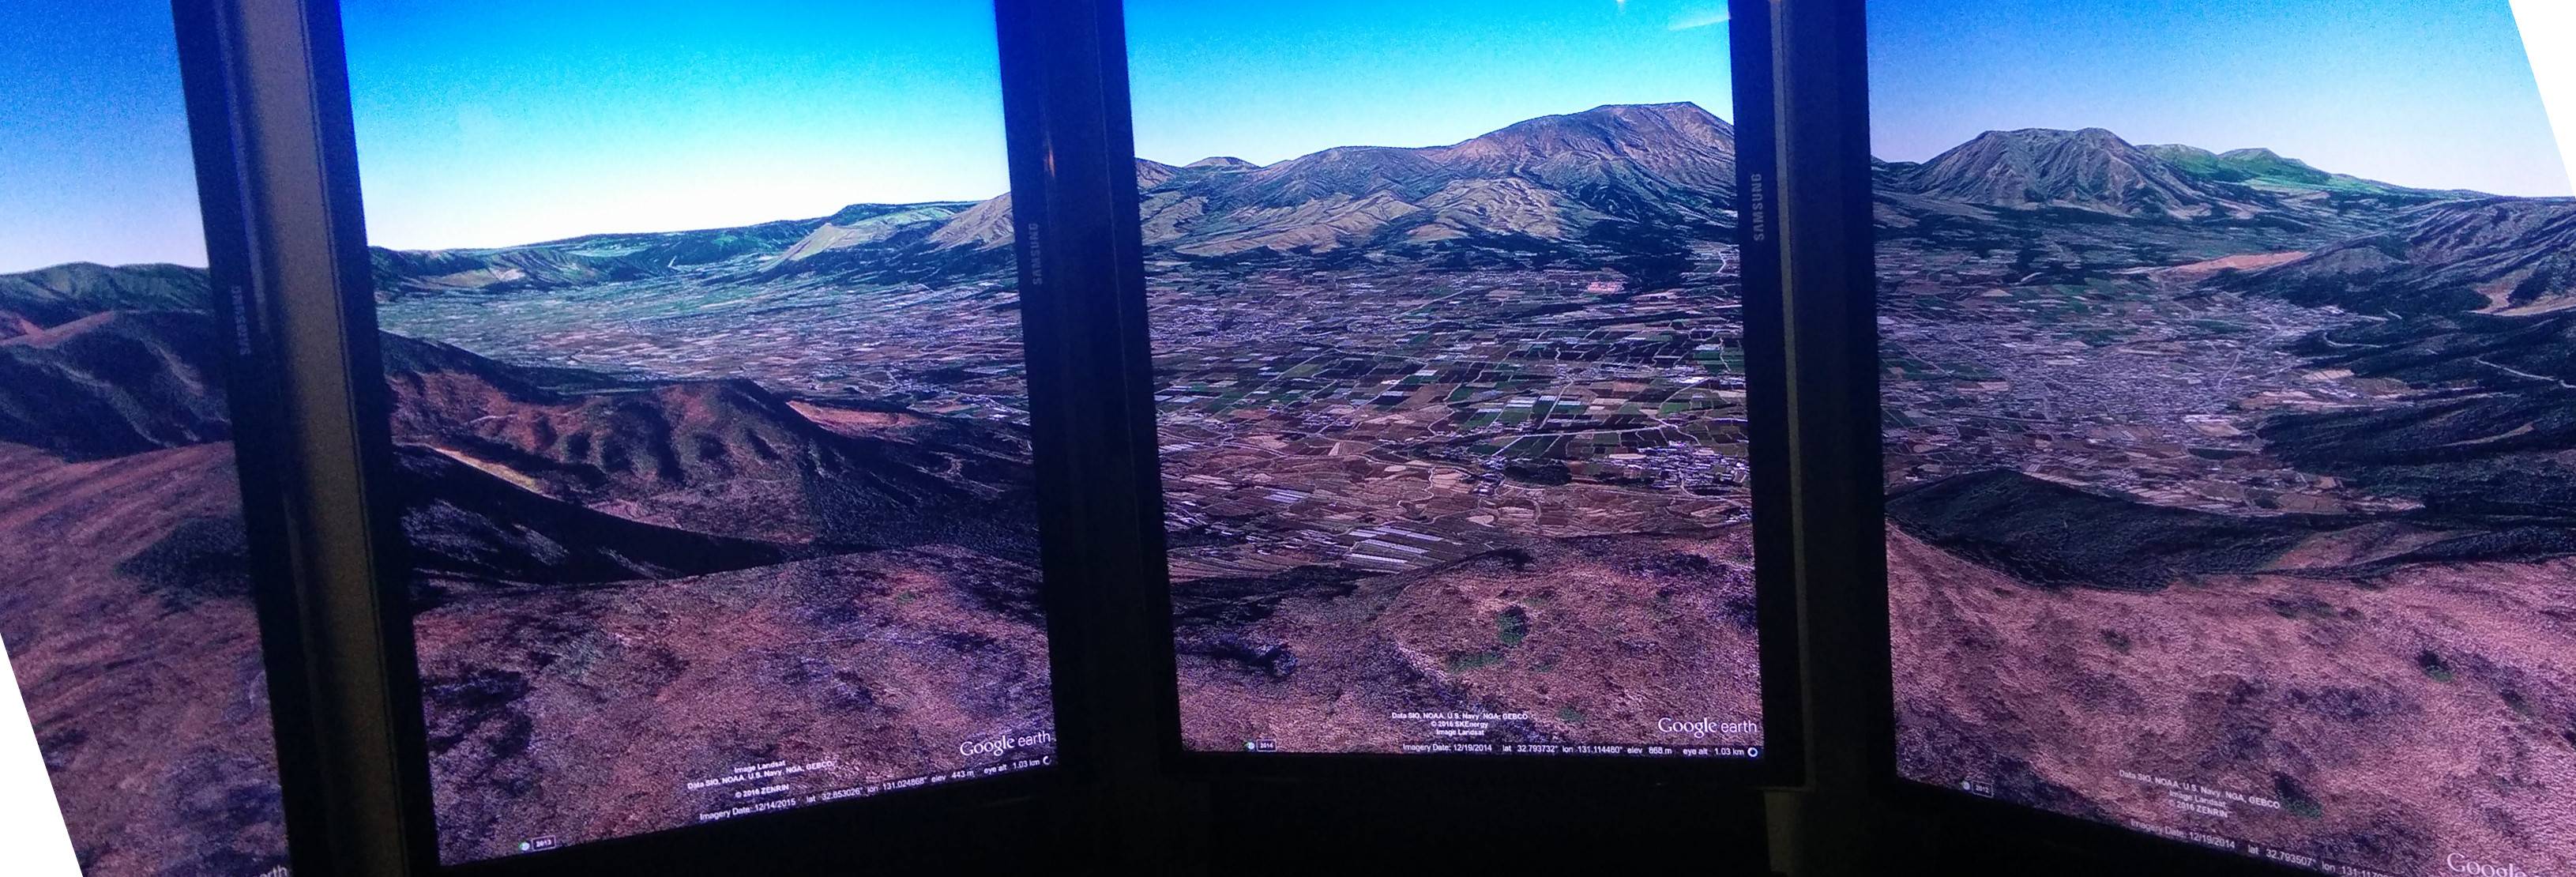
x,y
125,585
702,342
1450,375
2231,485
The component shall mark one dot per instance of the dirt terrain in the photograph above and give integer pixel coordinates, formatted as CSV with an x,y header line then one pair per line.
x,y
1459,430
127,613
587,713
632,591
1592,639
2393,719
626,586
2233,497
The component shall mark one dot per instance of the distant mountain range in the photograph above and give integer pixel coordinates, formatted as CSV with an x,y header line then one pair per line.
x,y
1623,186
53,296
1552,178
2095,170
115,351
1599,184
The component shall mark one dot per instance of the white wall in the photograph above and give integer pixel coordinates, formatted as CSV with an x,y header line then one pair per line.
x,y
31,826
2549,39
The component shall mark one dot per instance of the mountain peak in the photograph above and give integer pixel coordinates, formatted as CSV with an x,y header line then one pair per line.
x,y
2086,169
1630,126
1677,142
1223,162
1678,112
2091,137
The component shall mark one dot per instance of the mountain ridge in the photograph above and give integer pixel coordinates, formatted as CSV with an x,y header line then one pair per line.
x,y
1547,179
58,294
2087,169
1581,186
2498,255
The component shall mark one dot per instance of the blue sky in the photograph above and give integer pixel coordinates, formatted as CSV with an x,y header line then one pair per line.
x,y
2433,93
486,123
94,162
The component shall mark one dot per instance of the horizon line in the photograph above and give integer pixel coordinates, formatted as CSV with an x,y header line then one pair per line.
x,y
1178,165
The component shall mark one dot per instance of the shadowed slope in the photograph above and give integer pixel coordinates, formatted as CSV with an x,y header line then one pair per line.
x,y
694,455
114,383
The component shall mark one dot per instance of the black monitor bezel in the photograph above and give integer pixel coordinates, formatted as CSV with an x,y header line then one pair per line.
x,y
2110,848
1783,759
254,366
824,837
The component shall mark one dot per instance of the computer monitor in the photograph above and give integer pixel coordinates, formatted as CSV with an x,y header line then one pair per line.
x,y
2225,351
701,346
126,584
1460,434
